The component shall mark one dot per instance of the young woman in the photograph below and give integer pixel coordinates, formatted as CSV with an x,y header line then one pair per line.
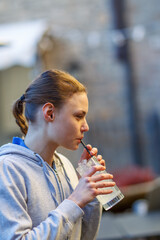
x,y
41,197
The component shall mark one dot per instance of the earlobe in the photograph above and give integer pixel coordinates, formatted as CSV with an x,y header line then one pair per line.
x,y
48,112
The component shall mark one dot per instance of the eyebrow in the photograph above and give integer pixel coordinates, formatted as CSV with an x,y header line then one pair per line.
x,y
81,112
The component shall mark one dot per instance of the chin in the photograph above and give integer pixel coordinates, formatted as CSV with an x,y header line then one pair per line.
x,y
73,147
76,147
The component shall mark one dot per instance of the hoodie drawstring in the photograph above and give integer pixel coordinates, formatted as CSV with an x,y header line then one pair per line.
x,y
46,173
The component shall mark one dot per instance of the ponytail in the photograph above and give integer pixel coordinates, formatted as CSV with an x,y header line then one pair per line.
x,y
52,86
19,116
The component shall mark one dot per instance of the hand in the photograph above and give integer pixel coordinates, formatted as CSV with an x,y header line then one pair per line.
x,y
93,151
90,186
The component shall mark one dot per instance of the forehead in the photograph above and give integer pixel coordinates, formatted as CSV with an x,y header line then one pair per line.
x,y
78,101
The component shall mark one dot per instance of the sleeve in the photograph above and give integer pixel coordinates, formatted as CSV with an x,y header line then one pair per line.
x,y
15,222
91,220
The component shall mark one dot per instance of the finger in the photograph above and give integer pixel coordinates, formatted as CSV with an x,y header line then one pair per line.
x,y
99,157
89,147
100,177
93,170
104,184
94,151
102,191
101,183
85,154
102,162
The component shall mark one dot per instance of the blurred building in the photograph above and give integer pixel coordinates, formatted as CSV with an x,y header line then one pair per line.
x,y
81,37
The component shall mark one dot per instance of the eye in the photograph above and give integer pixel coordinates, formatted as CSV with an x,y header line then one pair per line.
x,y
79,116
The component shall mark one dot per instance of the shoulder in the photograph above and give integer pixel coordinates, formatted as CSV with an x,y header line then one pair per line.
x,y
11,176
17,164
8,163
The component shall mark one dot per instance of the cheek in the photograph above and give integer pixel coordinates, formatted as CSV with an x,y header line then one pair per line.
x,y
69,130
66,128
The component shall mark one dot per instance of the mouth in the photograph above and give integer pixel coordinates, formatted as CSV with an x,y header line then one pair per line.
x,y
80,139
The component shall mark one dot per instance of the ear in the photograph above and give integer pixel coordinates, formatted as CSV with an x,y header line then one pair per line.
x,y
48,111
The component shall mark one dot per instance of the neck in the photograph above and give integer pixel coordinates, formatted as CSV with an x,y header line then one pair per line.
x,y
39,144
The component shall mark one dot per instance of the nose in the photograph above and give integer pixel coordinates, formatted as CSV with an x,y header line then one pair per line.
x,y
85,127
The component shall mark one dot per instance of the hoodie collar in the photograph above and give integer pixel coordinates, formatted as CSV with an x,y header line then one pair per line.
x,y
19,141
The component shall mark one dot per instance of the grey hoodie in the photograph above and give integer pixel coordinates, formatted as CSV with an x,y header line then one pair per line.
x,y
33,204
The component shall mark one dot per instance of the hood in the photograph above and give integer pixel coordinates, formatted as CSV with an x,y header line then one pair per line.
x,y
21,152
10,148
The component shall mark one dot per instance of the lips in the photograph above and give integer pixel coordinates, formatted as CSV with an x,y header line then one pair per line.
x,y
79,139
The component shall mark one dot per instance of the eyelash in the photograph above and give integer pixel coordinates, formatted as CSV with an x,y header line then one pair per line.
x,y
79,116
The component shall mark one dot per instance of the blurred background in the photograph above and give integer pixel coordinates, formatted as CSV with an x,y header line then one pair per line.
x,y
111,46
